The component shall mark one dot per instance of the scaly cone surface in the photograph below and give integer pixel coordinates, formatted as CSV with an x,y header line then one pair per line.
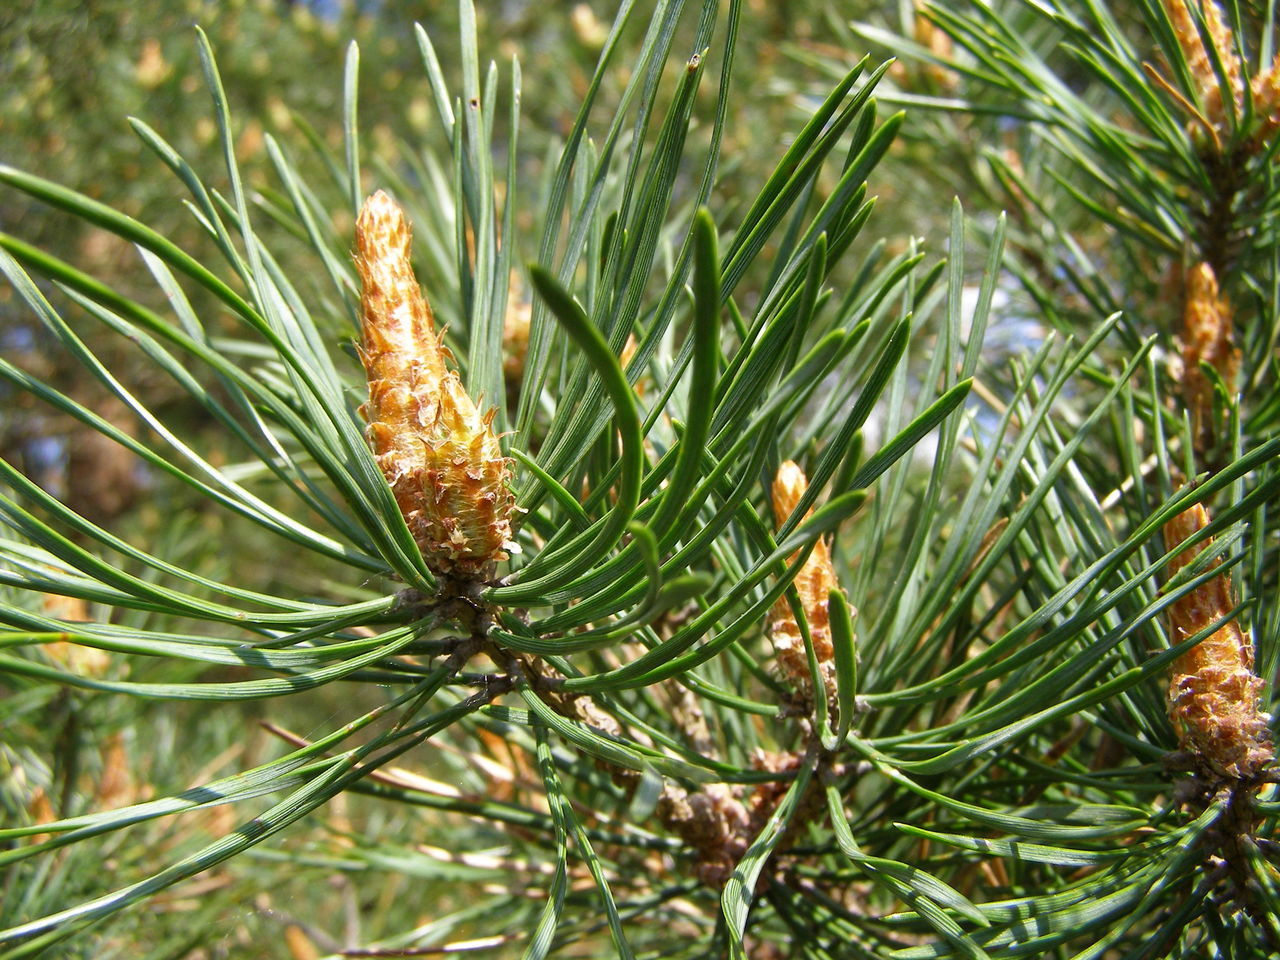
x,y
1213,691
438,453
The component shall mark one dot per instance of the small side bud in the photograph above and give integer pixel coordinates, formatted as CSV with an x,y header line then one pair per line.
x,y
515,335
628,354
938,43
438,453
1213,691
1266,104
815,580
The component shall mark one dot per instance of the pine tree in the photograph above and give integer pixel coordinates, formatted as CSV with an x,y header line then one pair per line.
x,y
701,578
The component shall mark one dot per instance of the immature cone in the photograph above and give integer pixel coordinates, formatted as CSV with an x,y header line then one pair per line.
x,y
1207,337
440,456
816,578
1213,691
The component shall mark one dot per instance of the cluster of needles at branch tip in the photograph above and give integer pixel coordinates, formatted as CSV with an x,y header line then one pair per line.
x,y
438,453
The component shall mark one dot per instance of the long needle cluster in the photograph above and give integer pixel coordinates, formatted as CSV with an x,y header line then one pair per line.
x,y
438,453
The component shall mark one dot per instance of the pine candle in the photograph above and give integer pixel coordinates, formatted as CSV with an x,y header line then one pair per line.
x,y
438,453
1208,337
1213,691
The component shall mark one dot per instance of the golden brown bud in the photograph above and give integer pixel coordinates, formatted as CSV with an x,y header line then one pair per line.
x,y
587,28
1201,64
80,660
816,578
515,336
1207,337
1266,104
440,456
937,42
1213,691
628,354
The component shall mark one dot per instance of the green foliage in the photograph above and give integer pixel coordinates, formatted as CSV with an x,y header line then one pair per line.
x,y
601,748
